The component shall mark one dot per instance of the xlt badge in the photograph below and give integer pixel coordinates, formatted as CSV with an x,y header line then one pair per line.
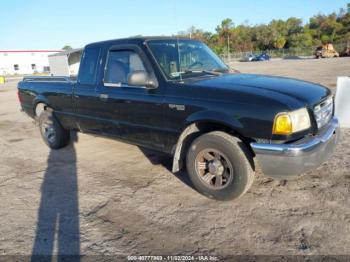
x,y
177,107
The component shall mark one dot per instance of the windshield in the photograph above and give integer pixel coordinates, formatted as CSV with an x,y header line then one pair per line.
x,y
180,59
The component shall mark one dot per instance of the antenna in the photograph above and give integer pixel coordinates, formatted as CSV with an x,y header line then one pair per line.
x,y
177,38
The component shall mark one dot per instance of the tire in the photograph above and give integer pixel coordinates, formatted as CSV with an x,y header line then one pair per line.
x,y
220,166
53,134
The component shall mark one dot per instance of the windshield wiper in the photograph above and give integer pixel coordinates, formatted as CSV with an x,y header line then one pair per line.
x,y
209,72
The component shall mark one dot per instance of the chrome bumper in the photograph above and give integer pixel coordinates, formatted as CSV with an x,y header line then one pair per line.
x,y
285,161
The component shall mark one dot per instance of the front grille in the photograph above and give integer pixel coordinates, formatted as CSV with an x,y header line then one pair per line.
x,y
323,112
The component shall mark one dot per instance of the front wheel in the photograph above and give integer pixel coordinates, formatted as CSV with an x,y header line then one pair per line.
x,y
220,166
54,135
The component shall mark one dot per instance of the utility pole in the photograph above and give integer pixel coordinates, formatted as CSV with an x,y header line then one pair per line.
x,y
228,45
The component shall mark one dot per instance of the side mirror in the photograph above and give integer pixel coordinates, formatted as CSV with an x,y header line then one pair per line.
x,y
141,78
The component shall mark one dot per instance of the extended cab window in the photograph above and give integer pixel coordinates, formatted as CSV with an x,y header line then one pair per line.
x,y
120,64
88,67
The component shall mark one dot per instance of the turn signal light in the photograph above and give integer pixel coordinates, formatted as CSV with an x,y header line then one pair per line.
x,y
283,125
287,123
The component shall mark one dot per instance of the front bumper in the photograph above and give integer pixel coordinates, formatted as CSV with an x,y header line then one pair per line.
x,y
284,161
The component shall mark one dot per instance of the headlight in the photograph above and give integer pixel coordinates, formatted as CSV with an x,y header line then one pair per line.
x,y
291,122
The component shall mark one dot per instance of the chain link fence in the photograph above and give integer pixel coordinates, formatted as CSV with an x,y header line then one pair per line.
x,y
306,52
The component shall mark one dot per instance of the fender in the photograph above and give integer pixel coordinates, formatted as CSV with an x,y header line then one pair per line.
x,y
39,99
192,127
215,117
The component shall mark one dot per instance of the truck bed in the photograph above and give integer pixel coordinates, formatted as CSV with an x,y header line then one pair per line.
x,y
54,91
48,79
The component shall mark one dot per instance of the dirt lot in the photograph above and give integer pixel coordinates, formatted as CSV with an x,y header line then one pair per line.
x,y
103,197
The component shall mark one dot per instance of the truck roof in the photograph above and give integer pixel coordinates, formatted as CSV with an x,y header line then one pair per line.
x,y
135,40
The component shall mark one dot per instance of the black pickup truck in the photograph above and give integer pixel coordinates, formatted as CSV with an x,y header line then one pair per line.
x,y
176,96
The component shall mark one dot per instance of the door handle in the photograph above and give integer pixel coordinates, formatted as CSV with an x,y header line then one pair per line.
x,y
103,96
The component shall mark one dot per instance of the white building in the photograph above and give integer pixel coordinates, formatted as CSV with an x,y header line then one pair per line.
x,y
25,61
65,63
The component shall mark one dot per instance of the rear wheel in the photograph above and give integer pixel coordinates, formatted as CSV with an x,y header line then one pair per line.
x,y
54,135
220,166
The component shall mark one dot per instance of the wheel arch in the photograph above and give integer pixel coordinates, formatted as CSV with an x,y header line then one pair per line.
x,y
40,103
198,127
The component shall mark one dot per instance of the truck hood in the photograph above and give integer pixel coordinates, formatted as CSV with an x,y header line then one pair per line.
x,y
305,93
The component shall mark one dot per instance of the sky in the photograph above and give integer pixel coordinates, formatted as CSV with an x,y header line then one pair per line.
x,y
43,24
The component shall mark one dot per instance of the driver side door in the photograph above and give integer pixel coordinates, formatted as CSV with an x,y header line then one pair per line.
x,y
135,112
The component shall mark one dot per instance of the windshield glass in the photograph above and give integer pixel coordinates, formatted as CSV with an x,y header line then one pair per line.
x,y
180,59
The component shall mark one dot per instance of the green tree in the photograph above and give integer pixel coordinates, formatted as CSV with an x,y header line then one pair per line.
x,y
225,27
67,48
280,42
242,38
325,39
289,33
265,37
294,25
225,33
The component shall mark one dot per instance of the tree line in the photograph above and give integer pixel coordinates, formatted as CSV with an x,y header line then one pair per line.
x,y
278,34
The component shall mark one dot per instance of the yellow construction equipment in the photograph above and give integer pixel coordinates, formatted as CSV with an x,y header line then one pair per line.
x,y
2,80
326,51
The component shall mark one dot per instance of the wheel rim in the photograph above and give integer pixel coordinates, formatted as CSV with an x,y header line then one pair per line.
x,y
214,169
49,132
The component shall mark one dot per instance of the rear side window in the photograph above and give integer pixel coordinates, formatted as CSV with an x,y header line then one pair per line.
x,y
88,67
120,64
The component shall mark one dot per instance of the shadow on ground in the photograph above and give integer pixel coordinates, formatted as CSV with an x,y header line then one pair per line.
x,y
58,215
157,158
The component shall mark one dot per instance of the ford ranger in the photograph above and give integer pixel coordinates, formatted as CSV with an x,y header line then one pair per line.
x,y
176,96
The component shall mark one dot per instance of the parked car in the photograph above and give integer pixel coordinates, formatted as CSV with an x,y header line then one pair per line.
x,y
263,57
247,58
256,57
176,96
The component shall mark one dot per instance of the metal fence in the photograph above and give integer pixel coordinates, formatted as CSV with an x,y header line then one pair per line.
x,y
274,53
278,53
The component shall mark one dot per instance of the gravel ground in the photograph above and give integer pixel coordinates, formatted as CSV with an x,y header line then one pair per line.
x,y
103,197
